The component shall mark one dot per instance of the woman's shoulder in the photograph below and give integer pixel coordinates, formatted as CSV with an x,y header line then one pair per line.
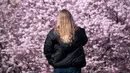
x,y
52,33
81,29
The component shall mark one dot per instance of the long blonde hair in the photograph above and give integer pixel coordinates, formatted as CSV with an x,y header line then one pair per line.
x,y
65,26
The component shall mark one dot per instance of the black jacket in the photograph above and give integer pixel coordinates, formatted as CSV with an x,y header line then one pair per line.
x,y
64,55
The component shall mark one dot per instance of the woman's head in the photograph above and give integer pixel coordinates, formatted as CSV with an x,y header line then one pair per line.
x,y
65,26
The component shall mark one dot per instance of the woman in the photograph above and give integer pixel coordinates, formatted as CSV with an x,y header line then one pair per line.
x,y
63,46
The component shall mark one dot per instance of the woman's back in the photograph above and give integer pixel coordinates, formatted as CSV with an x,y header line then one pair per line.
x,y
65,55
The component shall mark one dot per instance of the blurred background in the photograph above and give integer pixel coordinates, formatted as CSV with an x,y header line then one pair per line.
x,y
24,25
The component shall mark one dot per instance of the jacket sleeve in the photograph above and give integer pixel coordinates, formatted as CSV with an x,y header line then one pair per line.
x,y
48,48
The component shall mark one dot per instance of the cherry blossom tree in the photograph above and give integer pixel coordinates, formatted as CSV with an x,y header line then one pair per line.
x,y
24,25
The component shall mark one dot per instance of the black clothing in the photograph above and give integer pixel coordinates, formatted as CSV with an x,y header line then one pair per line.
x,y
67,70
65,55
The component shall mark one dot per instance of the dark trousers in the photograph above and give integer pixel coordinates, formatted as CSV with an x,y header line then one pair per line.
x,y
67,70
